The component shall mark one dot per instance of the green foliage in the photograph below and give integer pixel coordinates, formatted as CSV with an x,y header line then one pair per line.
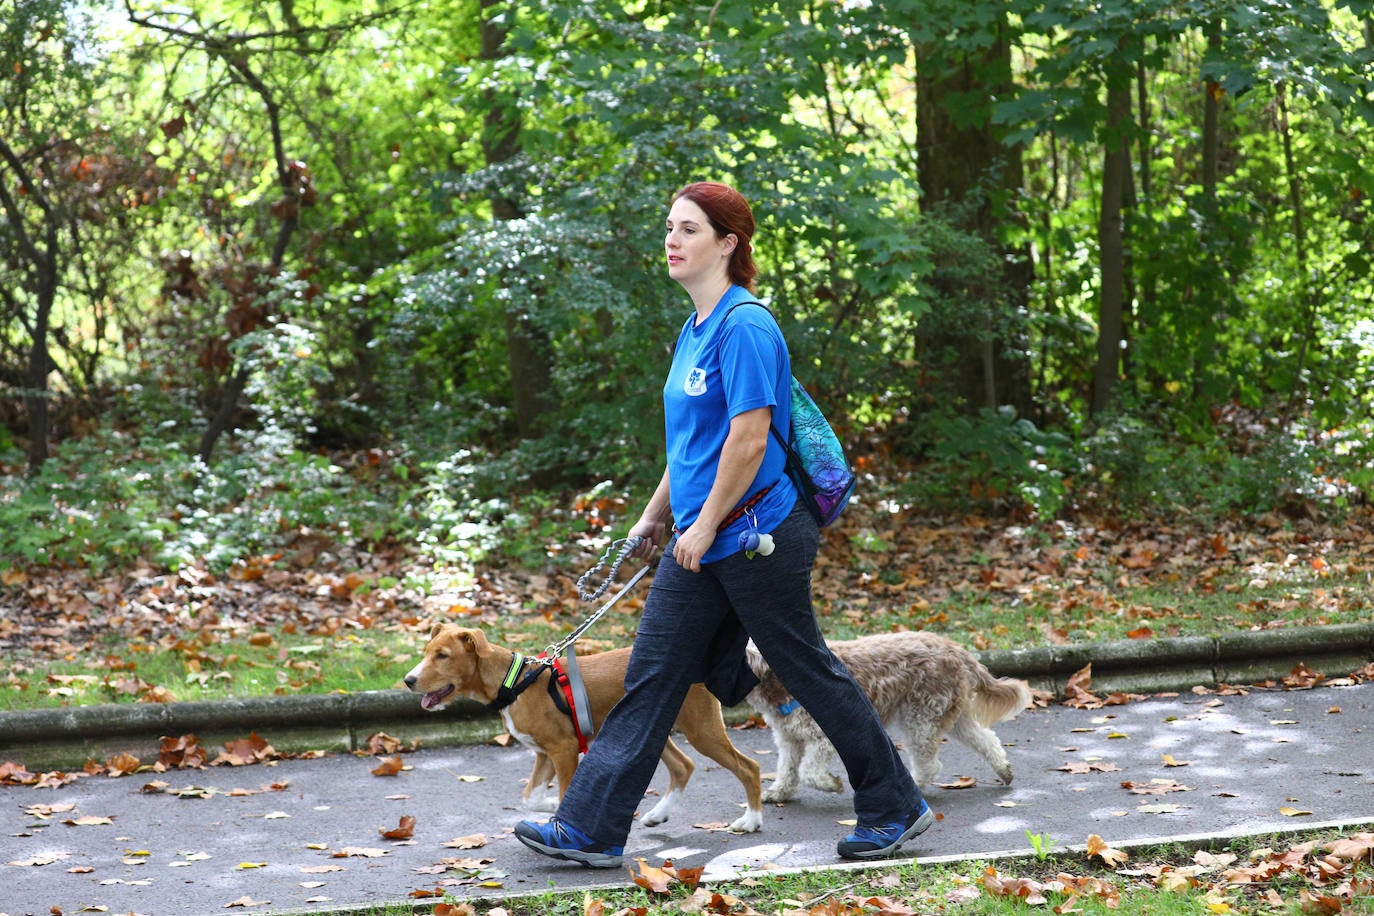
x,y
158,504
995,458
1041,843
399,285
1246,462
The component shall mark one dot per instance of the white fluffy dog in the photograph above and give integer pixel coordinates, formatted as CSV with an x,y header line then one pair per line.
x,y
922,685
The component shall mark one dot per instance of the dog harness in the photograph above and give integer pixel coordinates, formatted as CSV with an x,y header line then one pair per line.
x,y
570,696
566,688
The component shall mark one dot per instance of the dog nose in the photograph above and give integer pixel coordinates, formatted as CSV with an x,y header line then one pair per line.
x,y
410,681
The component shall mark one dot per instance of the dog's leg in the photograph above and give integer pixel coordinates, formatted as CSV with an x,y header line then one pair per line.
x,y
539,780
564,757
921,744
680,769
817,755
985,742
715,744
784,784
703,726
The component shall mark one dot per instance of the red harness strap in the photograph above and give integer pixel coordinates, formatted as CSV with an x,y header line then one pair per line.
x,y
559,679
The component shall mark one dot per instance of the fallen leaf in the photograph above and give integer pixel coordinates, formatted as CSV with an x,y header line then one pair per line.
x,y
46,811
471,841
363,852
1289,811
245,901
1155,787
402,831
389,767
1158,809
654,880
1089,767
39,861
1097,847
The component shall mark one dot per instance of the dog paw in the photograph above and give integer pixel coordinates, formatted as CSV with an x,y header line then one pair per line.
x,y
661,811
750,822
827,783
775,796
1005,776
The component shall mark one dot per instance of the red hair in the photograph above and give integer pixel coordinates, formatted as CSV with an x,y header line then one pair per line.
x,y
728,213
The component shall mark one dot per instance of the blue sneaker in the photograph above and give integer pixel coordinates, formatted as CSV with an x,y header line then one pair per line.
x,y
885,839
562,840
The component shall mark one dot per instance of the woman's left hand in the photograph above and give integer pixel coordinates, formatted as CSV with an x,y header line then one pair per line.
x,y
691,545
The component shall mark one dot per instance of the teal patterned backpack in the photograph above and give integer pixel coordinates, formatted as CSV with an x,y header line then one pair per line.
x,y
815,458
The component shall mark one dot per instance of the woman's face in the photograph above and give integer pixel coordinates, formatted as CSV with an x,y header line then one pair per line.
x,y
694,251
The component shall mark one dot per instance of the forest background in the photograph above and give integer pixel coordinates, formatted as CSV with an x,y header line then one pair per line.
x,y
295,283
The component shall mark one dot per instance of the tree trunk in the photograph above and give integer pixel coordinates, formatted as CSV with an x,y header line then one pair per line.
x,y
1111,311
289,180
40,260
963,166
1211,132
40,364
528,351
1307,295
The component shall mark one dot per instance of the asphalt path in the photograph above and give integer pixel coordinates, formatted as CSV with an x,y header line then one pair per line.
x,y
306,836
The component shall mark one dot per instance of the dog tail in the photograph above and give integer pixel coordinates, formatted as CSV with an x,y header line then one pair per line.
x,y
998,698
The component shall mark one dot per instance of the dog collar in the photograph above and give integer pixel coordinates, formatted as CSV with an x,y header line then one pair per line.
x,y
789,707
512,685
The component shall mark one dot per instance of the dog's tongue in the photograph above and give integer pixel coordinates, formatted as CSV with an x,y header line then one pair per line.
x,y
436,697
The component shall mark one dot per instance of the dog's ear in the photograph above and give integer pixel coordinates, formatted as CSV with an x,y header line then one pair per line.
x,y
434,630
477,641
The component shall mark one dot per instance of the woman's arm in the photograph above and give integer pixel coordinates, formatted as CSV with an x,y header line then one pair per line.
x,y
654,521
740,459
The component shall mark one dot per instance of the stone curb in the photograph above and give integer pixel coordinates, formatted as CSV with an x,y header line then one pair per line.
x,y
67,738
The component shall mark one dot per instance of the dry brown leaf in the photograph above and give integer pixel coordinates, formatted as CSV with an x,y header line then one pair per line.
x,y
402,831
390,766
1097,847
471,841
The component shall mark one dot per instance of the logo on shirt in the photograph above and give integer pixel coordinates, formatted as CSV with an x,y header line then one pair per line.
x,y
695,385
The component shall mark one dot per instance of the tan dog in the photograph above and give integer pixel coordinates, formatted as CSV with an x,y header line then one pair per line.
x,y
461,662
922,686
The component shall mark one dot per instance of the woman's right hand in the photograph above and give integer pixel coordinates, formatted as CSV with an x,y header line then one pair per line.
x,y
652,534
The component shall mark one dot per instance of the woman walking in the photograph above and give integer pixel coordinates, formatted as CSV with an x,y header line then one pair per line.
x,y
725,478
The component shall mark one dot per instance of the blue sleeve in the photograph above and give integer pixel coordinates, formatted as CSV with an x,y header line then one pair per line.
x,y
753,361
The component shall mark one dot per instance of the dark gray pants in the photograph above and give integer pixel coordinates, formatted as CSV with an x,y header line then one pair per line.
x,y
684,614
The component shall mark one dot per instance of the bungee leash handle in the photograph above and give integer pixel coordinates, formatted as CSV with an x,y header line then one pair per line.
x,y
622,548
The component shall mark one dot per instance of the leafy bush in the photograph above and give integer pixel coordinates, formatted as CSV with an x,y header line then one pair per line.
x,y
1247,461
995,459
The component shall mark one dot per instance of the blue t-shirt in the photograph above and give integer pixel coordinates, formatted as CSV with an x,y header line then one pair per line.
x,y
723,368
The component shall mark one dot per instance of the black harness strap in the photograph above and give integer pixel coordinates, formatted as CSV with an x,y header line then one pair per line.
x,y
564,690
513,684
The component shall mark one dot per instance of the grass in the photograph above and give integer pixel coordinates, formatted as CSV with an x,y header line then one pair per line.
x,y
267,662
1166,880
